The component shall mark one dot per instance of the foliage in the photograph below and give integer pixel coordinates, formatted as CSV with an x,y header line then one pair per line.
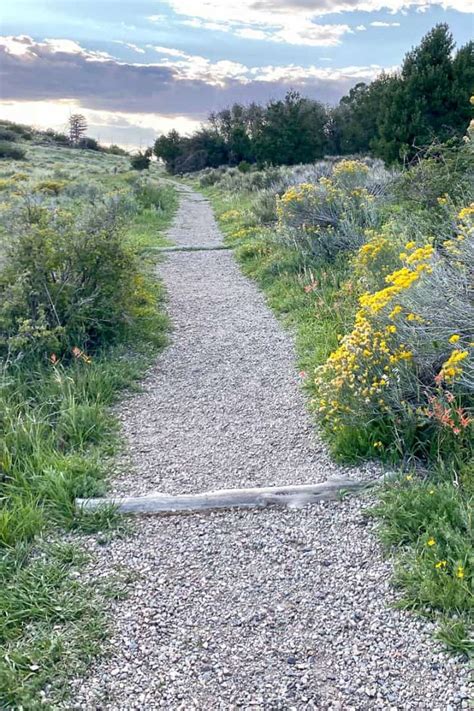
x,y
332,215
6,134
393,118
431,523
77,128
66,282
12,152
141,161
88,143
80,319
385,341
115,150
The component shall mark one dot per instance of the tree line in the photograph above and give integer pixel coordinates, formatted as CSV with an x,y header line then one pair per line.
x,y
390,118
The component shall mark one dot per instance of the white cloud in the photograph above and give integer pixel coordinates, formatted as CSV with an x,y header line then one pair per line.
x,y
248,33
131,130
361,28
308,33
291,21
131,46
168,51
384,24
43,83
25,46
297,75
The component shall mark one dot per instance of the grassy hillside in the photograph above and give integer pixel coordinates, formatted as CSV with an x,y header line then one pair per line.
x,y
80,318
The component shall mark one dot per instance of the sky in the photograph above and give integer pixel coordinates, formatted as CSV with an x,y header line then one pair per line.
x,y
138,68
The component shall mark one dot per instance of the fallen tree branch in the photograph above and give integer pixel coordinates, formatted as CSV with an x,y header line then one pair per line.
x,y
192,248
259,497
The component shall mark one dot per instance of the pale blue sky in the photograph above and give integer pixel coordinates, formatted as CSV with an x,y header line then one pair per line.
x,y
143,66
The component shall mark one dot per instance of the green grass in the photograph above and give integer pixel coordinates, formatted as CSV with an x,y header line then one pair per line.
x,y
430,524
318,302
57,437
147,228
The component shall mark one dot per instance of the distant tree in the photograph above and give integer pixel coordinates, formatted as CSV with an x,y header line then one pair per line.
x,y
89,143
141,160
428,100
77,128
463,83
60,138
169,148
392,117
116,150
291,131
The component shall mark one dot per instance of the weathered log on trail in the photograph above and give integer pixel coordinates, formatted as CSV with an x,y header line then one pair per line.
x,y
192,248
292,496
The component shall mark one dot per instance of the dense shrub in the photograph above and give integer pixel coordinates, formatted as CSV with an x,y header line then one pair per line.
x,y
141,161
7,134
115,150
24,132
332,215
150,194
54,187
13,152
89,144
66,282
407,368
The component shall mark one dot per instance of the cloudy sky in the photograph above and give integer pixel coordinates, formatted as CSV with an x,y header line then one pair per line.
x,y
137,68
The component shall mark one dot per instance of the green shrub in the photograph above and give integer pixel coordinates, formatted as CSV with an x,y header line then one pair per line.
x,y
331,215
66,282
244,166
402,381
430,523
151,194
13,152
141,161
53,187
7,134
115,150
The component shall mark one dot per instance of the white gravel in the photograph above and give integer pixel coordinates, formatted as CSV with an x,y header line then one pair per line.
x,y
270,609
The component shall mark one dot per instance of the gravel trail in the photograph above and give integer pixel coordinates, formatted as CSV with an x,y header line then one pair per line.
x,y
270,609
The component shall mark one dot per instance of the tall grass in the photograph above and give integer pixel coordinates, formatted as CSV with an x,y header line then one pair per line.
x,y
57,433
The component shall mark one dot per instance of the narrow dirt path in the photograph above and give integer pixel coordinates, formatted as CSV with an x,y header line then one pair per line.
x,y
270,609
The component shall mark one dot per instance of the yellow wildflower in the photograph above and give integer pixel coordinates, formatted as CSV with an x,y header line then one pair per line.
x,y
431,542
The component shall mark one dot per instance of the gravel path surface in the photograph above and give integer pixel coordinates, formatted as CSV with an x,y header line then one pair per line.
x,y
272,609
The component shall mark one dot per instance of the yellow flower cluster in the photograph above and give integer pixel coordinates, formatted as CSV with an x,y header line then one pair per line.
x,y
450,370
399,280
297,193
349,167
464,229
242,232
230,215
467,213
364,367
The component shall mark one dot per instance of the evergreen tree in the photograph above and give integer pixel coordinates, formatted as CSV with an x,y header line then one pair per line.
x,y
77,128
